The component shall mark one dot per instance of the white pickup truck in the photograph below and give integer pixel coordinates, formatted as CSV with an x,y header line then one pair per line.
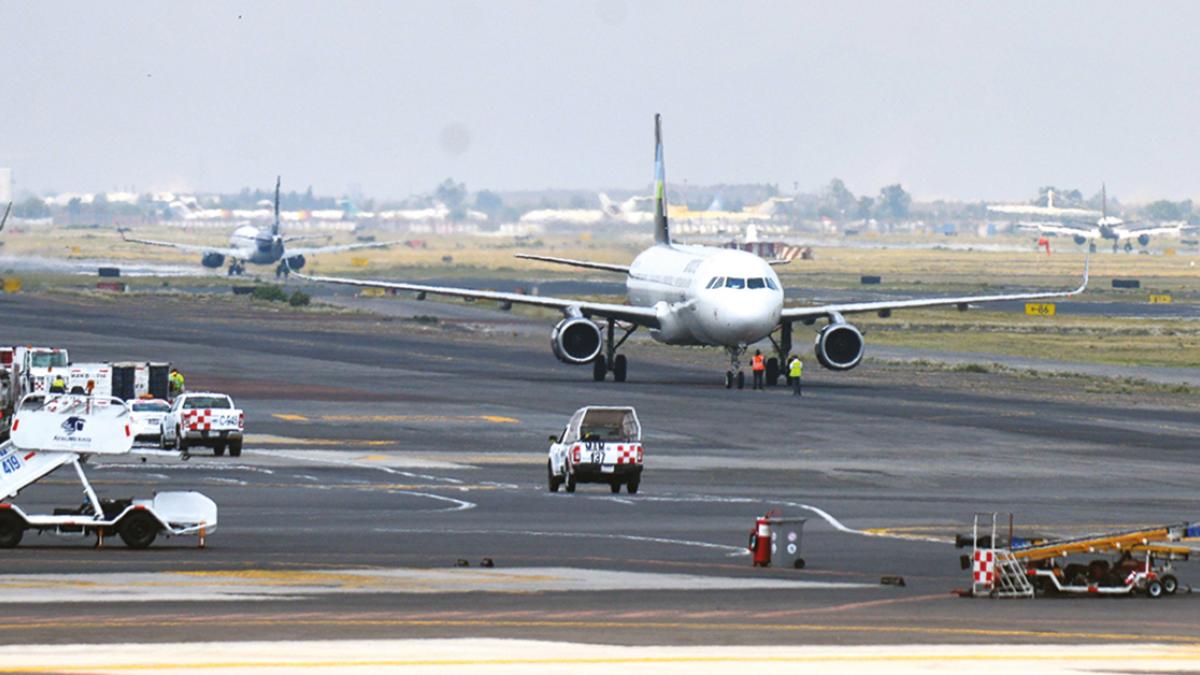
x,y
204,419
598,445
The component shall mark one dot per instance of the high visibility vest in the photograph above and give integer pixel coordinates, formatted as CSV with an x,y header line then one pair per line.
x,y
797,368
58,383
758,362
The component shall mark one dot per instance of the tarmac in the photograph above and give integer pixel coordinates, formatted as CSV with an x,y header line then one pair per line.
x,y
381,452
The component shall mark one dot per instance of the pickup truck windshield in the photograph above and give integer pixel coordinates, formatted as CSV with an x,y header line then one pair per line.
x,y
217,402
609,425
151,406
48,360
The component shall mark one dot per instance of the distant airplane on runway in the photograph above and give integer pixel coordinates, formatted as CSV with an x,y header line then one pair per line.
x,y
695,295
251,244
1104,227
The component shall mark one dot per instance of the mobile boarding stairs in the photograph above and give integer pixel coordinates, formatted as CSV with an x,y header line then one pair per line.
x,y
51,431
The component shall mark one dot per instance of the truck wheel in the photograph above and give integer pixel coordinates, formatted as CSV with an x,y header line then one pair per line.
x,y
235,448
1170,584
138,529
12,528
218,449
570,482
552,481
632,486
620,365
1154,589
181,444
162,441
615,487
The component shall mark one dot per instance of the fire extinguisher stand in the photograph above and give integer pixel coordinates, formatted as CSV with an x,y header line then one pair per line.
x,y
777,539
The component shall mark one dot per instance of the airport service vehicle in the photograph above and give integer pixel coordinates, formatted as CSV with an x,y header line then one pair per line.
x,y
598,445
206,419
694,295
146,416
52,430
251,244
1139,561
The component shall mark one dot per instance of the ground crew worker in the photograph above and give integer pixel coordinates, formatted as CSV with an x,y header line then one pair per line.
x,y
175,382
795,373
58,385
758,365
91,385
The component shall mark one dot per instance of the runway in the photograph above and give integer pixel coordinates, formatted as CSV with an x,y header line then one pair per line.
x,y
381,452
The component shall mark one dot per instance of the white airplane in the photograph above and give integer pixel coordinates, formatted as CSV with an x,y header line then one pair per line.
x,y
261,246
609,211
1105,227
694,295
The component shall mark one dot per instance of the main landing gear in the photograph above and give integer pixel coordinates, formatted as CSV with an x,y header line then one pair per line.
x,y
610,359
282,269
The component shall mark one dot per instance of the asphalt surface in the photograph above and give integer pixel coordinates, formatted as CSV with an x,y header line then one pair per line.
x,y
380,452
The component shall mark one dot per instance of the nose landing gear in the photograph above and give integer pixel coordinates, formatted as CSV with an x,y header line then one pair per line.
x,y
735,375
236,267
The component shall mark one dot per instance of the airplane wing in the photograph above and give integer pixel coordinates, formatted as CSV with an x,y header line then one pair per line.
x,y
830,311
304,237
1160,229
607,267
1052,211
642,316
341,247
5,218
191,248
1059,228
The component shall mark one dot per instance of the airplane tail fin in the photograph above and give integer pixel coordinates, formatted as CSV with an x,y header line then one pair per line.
x,y
609,207
275,225
662,234
1050,198
1103,201
4,220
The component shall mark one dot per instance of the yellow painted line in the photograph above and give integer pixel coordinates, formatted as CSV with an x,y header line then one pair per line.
x,y
290,418
932,657
1058,635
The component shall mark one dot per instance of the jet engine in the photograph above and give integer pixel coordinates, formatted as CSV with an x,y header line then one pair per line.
x,y
576,341
1144,240
839,346
1080,239
296,262
213,260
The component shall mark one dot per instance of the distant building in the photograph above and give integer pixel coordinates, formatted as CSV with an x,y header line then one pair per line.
x,y
6,186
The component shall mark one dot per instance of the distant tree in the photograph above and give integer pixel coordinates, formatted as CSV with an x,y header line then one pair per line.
x,y
450,193
838,201
1167,210
31,208
74,206
577,202
894,202
489,202
864,207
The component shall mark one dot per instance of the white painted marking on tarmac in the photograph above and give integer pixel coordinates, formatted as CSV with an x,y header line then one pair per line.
x,y
309,457
619,500
732,550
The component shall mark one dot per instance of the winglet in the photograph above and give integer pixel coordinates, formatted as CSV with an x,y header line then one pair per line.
x,y
662,234
4,220
275,225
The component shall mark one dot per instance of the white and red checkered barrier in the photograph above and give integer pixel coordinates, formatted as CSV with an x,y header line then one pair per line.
x,y
984,567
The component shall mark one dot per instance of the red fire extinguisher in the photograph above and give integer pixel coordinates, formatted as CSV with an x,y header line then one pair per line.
x,y
760,542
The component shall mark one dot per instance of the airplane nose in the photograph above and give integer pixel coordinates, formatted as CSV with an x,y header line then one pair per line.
x,y
744,319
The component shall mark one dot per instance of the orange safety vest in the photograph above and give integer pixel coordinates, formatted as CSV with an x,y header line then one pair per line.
x,y
758,362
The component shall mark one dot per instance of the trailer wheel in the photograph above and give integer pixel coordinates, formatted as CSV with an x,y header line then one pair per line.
x,y
235,448
218,449
138,529
552,481
1154,589
1170,584
632,486
12,528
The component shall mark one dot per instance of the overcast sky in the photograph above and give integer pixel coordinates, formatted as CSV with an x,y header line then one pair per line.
x,y
957,99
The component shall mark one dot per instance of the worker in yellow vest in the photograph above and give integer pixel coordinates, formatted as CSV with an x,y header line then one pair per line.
x,y
795,374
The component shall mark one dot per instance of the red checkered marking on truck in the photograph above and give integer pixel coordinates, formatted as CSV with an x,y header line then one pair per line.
x,y
629,454
198,420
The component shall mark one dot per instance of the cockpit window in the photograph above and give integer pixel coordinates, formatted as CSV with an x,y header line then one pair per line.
x,y
734,282
771,284
716,282
756,282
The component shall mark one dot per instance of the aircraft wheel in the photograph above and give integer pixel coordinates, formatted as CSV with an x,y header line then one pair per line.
x,y
1170,584
741,380
12,528
772,371
138,529
599,368
729,379
619,367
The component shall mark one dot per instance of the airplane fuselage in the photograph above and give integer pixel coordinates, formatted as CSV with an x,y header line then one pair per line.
x,y
256,245
705,295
